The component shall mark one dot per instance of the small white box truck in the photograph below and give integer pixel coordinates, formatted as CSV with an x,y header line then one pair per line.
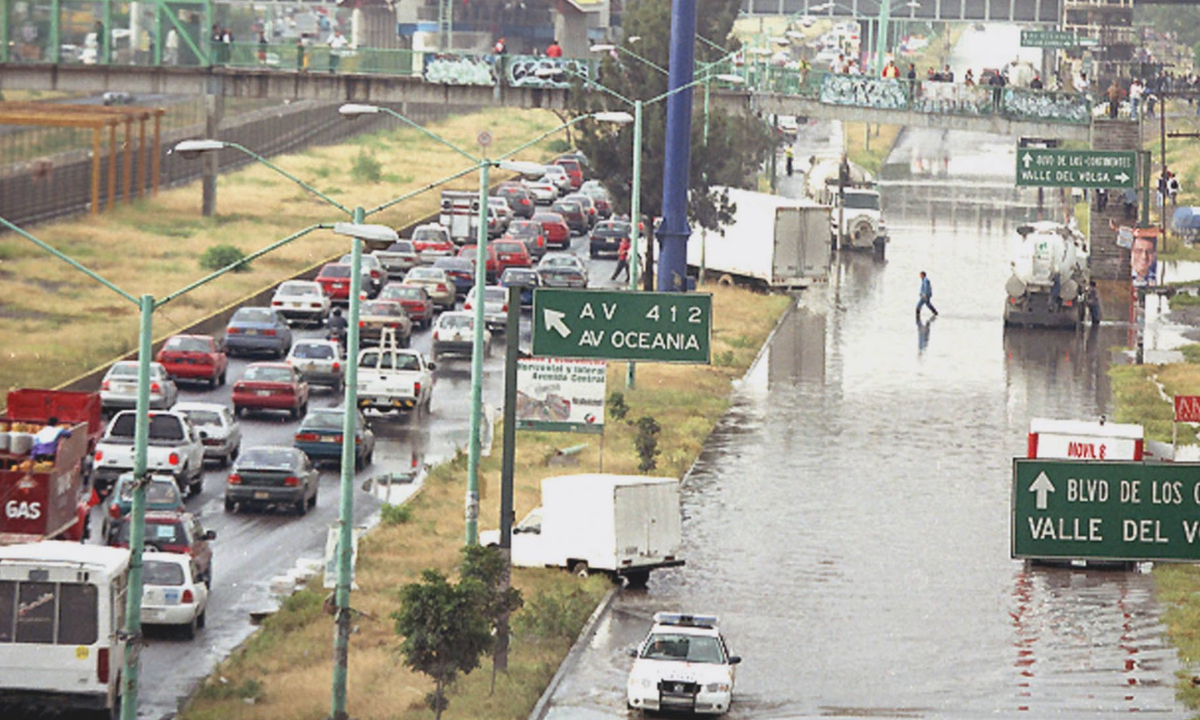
x,y
623,525
774,241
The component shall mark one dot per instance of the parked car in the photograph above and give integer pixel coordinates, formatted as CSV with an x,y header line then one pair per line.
x,y
372,266
495,306
432,241
529,232
454,333
558,233
172,532
271,386
320,437
320,362
461,272
194,357
436,282
607,236
602,200
399,257
573,214
518,198
301,301
511,253
525,278
375,315
221,433
173,592
414,298
574,171
491,266
335,281
257,330
162,495
272,476
542,192
119,388
562,270
558,176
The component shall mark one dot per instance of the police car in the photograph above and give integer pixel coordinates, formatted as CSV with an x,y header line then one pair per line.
x,y
682,665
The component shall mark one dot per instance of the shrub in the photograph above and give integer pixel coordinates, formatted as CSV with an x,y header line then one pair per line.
x,y
646,442
221,256
617,407
366,169
395,514
554,614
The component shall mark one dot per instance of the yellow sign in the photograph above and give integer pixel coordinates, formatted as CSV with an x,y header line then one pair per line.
x,y
81,652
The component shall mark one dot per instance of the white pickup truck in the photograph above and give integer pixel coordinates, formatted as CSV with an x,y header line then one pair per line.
x,y
394,379
175,448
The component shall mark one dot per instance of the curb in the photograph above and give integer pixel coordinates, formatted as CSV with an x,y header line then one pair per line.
x,y
585,635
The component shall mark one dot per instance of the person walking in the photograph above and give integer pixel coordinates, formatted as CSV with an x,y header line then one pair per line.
x,y
301,60
172,46
789,155
1114,94
996,82
1093,302
500,49
262,48
1136,90
622,259
337,43
926,297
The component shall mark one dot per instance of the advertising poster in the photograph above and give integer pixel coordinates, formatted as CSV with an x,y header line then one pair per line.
x,y
561,394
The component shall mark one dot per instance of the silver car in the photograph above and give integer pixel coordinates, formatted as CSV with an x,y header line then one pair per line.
x,y
495,306
562,270
503,210
319,362
119,389
222,433
454,333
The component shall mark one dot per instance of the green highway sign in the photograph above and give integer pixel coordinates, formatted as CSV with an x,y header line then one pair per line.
x,y
1037,167
622,325
1051,39
1127,511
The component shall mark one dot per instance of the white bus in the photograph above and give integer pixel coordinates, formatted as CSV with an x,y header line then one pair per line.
x,y
62,605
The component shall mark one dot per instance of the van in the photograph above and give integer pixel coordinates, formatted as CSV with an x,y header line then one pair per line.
x,y
62,607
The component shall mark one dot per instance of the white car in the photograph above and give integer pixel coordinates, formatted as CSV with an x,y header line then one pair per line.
x,y
118,389
373,270
222,438
454,333
682,665
495,306
319,362
557,176
301,300
172,592
503,210
543,193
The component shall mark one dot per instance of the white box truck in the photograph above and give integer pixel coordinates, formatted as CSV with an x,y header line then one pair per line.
x,y
774,241
624,525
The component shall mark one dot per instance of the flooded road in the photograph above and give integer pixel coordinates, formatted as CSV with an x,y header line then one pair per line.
x,y
849,520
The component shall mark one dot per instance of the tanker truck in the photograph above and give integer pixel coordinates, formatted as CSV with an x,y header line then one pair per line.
x,y
1048,286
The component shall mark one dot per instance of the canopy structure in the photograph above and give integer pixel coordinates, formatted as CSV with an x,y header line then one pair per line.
x,y
98,118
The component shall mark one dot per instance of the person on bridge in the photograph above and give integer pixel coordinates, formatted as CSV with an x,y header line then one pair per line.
x,y
789,155
969,78
555,50
1114,93
1136,91
891,71
337,43
926,297
1036,83
996,82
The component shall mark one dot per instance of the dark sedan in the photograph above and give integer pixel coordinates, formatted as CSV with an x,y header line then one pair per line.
x,y
574,214
257,330
461,272
280,477
607,236
525,278
320,437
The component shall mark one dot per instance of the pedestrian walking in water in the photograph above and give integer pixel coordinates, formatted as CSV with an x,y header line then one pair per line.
x,y
926,297
789,154
622,259
1093,302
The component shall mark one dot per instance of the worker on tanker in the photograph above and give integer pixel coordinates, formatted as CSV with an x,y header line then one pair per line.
x,y
45,442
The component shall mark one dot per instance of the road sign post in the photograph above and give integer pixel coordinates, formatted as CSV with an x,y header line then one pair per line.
x,y
1123,511
622,325
1037,167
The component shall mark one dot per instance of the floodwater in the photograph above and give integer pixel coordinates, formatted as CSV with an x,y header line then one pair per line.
x,y
849,519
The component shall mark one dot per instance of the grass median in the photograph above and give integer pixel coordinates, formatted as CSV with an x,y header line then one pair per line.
x,y
283,672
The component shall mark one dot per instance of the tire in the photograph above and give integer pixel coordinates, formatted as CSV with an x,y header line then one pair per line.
x,y
312,503
637,580
304,409
212,382
235,451
370,458
407,342
189,630
229,506
202,620
221,380
580,569
301,507
294,413
196,487
339,387
239,411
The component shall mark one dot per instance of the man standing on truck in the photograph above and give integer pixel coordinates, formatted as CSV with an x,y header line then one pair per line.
x,y
45,442
926,296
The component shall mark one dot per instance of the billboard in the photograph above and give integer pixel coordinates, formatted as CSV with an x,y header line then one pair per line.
x,y
561,394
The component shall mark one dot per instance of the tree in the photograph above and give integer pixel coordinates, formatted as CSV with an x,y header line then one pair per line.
x,y
737,144
490,569
445,630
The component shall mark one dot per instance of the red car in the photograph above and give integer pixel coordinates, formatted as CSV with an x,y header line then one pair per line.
x,y
194,357
492,268
271,386
558,233
174,532
512,253
414,298
335,281
574,171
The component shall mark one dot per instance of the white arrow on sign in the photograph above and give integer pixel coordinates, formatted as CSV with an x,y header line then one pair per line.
x,y
1122,177
554,321
1041,486
1026,160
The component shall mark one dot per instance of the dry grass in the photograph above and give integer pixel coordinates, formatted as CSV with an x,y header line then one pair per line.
x,y
288,661
870,152
55,323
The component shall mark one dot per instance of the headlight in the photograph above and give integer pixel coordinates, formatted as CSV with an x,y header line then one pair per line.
x,y
717,687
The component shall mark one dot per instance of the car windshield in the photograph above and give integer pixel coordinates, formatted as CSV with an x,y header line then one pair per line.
x,y
560,261
203,417
562,207
423,274
401,293
162,572
124,369
336,271
397,247
455,321
612,229
259,373
389,309
253,315
293,288
268,457
862,201
684,648
159,492
548,218
518,276
495,294
313,351
183,343
324,420
168,532
508,247
428,234
162,427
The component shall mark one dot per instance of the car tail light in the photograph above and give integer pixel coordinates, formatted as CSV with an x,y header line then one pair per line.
x,y
416,388
435,337
235,479
467,305
114,511
505,308
102,666
233,331
541,241
337,366
187,598
276,303
358,441
306,437
173,458
291,481
99,455
361,323
104,385
155,387
268,332
441,287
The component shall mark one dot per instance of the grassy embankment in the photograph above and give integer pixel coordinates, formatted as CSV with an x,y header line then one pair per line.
x,y
286,666
1183,160
56,324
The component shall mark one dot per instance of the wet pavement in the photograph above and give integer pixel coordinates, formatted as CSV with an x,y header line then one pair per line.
x,y
849,519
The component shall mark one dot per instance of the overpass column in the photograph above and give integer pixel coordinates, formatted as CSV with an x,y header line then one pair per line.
x,y
214,113
1110,261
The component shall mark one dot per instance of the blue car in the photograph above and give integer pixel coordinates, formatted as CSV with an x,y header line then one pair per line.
x,y
257,330
461,272
524,278
320,437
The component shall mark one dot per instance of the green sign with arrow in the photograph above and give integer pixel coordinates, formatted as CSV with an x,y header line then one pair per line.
x,y
1038,167
1053,39
1128,511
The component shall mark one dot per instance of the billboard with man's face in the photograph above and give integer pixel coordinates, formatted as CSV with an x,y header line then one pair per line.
x,y
1143,257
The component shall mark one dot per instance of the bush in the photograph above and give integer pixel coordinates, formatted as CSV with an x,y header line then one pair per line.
x,y
554,614
366,169
221,256
646,442
560,145
395,514
617,407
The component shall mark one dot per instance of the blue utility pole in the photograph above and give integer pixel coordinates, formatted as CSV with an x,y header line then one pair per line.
x,y
674,232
